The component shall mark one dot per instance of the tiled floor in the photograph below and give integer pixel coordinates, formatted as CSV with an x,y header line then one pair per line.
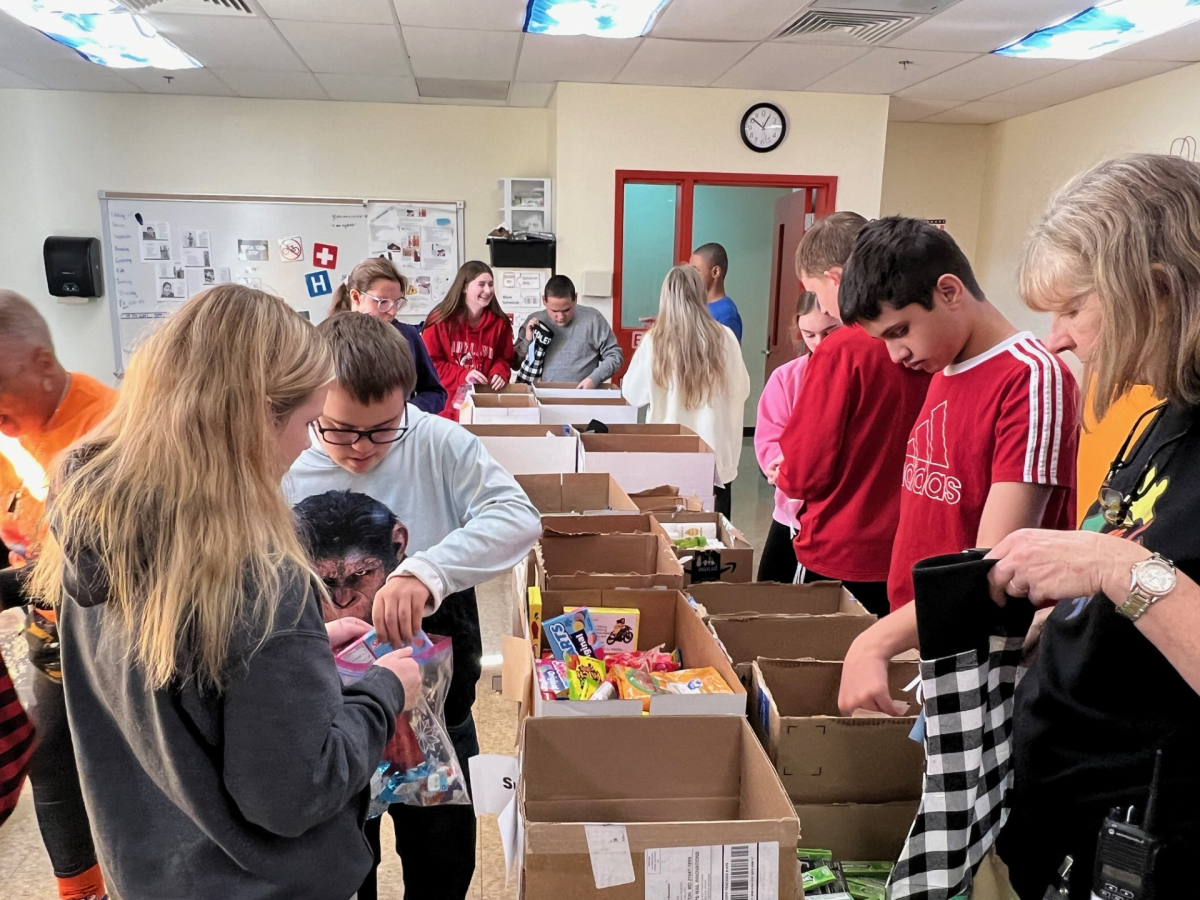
x,y
25,869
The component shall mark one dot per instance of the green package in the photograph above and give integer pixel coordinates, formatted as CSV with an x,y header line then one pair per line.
x,y
867,869
813,853
818,878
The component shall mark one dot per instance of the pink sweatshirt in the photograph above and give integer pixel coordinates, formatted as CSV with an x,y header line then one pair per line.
x,y
774,410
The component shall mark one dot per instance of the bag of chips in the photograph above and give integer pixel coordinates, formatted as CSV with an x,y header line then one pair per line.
x,y
691,681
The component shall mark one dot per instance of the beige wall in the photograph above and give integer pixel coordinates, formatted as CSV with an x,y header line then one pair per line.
x,y
58,149
936,172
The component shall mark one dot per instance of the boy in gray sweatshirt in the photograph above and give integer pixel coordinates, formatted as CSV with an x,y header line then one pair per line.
x,y
404,513
583,350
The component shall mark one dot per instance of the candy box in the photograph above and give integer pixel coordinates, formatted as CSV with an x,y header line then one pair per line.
x,y
355,658
616,629
584,676
552,679
571,632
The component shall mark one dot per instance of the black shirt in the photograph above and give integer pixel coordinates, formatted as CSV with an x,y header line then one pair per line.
x,y
1101,698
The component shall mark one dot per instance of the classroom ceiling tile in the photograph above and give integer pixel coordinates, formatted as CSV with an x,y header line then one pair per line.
x,y
73,75
19,42
546,57
273,85
229,42
980,26
199,82
463,89
447,53
902,110
887,70
982,112
984,75
356,12
10,79
489,15
1181,44
370,88
348,49
529,93
682,63
459,101
730,20
1089,77
788,67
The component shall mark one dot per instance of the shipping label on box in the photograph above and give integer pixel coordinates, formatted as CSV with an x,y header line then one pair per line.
x,y
715,872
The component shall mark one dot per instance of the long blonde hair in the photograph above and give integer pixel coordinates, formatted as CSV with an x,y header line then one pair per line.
x,y
1128,230
688,343
360,279
177,494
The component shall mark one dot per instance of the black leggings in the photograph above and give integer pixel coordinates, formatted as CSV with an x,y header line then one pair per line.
x,y
871,594
778,559
723,499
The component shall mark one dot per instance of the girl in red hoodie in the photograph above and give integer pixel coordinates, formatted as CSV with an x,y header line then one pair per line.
x,y
469,338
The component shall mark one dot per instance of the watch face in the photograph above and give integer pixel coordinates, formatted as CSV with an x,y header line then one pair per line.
x,y
1156,577
763,127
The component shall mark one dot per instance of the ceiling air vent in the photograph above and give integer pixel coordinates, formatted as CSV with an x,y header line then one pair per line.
x,y
203,7
847,26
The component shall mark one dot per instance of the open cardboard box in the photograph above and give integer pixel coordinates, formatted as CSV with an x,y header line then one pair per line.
x,y
529,449
824,757
746,638
584,561
516,387
648,456
500,409
821,598
624,521
857,830
734,564
666,618
545,389
665,497
570,410
574,492
709,784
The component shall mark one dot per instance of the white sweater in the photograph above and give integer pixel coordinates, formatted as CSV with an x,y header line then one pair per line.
x,y
719,422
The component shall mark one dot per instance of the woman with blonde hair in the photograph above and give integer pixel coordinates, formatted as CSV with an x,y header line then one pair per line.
x,y
220,755
1116,260
375,288
689,370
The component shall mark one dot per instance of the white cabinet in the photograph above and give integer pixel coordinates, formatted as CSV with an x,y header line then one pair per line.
x,y
528,204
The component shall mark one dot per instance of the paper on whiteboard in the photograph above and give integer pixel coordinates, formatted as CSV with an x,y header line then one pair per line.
x,y
197,258
194,238
171,289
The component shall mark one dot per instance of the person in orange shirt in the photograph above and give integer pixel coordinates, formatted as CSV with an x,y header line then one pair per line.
x,y
43,410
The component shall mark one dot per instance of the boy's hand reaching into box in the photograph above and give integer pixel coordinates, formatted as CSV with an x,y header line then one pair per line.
x,y
399,607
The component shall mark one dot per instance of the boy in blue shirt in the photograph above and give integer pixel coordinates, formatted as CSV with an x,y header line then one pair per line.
x,y
712,262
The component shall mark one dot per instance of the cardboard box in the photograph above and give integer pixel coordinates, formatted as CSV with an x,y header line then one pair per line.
x,y
567,562
582,410
858,830
647,456
666,618
529,449
624,521
500,409
746,638
825,757
821,598
709,785
574,492
516,387
543,389
665,497
735,563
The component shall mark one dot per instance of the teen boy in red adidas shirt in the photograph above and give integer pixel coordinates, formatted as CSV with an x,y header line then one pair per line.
x,y
844,456
994,448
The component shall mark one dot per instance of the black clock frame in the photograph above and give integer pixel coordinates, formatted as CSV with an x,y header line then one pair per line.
x,y
746,118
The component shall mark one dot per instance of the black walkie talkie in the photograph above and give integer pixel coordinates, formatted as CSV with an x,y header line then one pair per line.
x,y
1126,852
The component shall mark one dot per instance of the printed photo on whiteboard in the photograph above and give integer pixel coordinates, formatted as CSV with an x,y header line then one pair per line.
x,y
199,279
196,239
416,212
156,231
168,270
291,249
154,250
252,251
420,286
172,289
438,256
197,259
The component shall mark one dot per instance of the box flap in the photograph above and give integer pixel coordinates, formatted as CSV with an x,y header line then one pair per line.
x,y
504,401
574,492
769,598
745,638
858,830
521,431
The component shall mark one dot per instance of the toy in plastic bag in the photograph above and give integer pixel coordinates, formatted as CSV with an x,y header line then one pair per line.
x,y
419,767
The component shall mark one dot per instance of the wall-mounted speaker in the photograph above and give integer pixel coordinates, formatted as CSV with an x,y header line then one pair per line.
x,y
73,267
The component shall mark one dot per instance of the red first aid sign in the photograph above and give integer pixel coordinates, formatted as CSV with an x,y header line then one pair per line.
x,y
324,256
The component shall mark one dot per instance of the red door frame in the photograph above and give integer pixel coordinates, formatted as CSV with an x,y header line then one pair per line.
x,y
686,182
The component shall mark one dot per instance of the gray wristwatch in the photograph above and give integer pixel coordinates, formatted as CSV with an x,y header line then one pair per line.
x,y
1152,580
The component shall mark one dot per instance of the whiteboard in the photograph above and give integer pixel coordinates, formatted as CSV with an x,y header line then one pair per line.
x,y
160,249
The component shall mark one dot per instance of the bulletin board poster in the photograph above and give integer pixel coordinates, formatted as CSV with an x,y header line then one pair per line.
x,y
520,292
421,241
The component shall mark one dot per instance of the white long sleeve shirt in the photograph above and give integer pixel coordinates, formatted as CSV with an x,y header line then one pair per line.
x,y
718,422
467,519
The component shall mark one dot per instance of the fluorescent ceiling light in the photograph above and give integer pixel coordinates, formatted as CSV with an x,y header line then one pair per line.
x,y
598,18
1104,28
101,31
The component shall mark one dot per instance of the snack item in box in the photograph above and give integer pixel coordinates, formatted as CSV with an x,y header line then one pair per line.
x,y
653,660
635,684
355,658
571,632
535,621
584,676
691,681
616,629
552,679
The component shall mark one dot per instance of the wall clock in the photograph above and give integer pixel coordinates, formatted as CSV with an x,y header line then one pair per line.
x,y
763,127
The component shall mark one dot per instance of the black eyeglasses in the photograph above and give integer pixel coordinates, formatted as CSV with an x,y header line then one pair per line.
x,y
344,437
1113,503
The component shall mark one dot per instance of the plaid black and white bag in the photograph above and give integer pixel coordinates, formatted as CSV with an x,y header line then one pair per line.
x,y
534,362
971,652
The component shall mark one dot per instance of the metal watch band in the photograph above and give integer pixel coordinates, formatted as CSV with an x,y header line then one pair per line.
x,y
1135,606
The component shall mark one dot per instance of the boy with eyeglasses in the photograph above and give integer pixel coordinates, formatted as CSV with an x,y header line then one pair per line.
x,y
387,488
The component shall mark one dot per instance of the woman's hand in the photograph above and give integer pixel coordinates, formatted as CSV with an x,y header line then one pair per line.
x,y
345,631
498,382
865,680
476,377
401,664
1048,566
772,472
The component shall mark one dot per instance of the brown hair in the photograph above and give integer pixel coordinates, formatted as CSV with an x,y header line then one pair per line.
x,y
455,304
1127,230
828,243
370,356
805,303
361,277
